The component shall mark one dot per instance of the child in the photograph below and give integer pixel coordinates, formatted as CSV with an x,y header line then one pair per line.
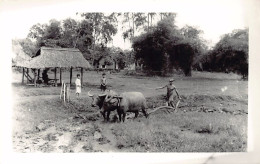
x,y
170,88
78,85
103,81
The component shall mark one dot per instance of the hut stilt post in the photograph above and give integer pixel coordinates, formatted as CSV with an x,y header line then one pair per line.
x,y
81,71
60,75
27,72
35,78
38,74
70,74
55,76
23,76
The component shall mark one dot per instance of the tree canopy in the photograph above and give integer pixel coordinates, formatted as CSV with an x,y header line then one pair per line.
x,y
158,44
167,47
230,54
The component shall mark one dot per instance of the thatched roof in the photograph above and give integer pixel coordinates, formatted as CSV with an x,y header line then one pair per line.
x,y
58,57
21,59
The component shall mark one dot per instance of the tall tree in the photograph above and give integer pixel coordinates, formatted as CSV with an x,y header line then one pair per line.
x,y
46,34
167,14
37,31
152,15
166,47
151,47
132,22
84,37
193,34
69,33
230,54
104,27
53,30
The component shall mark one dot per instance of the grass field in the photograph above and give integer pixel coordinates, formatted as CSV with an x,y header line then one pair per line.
x,y
212,116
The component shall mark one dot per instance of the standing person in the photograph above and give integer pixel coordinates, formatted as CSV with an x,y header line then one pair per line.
x,y
35,80
78,85
103,81
170,88
45,77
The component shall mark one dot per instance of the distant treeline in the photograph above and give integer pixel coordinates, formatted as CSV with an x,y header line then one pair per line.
x,y
158,46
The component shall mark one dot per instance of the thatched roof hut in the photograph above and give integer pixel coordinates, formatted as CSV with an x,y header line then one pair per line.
x,y
58,57
47,57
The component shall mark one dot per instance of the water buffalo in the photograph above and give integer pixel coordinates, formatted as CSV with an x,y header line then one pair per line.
x,y
99,100
129,102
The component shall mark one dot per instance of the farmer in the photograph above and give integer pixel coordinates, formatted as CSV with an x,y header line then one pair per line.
x,y
45,77
103,81
170,88
78,85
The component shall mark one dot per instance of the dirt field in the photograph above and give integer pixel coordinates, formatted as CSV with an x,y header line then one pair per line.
x,y
212,116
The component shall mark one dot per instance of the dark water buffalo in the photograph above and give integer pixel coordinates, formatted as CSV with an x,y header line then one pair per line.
x,y
129,102
99,100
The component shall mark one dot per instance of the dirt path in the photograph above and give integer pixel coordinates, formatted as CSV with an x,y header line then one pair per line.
x,y
104,140
31,98
68,135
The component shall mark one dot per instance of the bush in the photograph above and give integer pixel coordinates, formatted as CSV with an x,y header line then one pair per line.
x,y
230,54
167,47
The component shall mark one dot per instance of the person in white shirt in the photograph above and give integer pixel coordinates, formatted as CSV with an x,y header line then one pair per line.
x,y
78,85
103,81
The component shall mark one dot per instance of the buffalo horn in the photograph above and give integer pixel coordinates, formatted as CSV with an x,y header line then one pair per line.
x,y
90,95
120,97
104,94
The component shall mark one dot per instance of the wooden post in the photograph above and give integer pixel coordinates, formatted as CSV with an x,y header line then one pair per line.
x,y
70,74
61,89
81,76
60,75
27,72
23,76
55,76
39,74
64,93
35,78
68,92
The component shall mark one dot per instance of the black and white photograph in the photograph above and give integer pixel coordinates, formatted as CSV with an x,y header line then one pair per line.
x,y
101,78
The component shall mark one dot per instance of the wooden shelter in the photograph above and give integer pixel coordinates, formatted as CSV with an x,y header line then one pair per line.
x,y
100,63
47,57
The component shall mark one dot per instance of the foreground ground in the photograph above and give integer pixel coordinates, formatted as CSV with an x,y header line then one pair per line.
x,y
212,117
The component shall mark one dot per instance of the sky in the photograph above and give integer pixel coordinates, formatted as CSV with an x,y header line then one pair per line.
x,y
214,17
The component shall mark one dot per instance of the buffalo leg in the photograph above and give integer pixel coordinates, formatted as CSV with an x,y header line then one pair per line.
x,y
124,114
108,113
103,114
144,112
136,114
119,115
